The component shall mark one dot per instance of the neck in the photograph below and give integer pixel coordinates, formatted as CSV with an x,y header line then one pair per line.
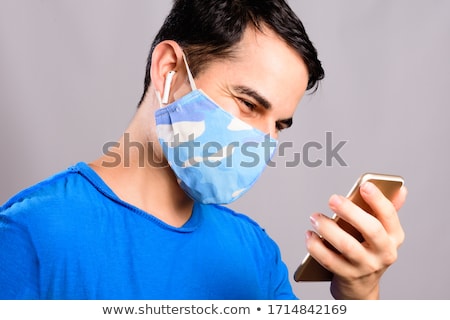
x,y
137,172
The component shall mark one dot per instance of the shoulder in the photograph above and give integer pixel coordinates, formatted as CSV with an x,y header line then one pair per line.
x,y
227,214
56,190
52,211
232,221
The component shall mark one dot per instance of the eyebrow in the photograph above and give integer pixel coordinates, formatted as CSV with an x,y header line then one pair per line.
x,y
255,95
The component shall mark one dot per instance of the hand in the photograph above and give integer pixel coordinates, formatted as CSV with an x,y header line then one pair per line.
x,y
358,266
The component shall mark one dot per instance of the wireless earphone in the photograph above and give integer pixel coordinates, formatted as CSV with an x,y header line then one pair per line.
x,y
167,84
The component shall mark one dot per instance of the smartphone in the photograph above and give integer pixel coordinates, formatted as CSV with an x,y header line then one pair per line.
x,y
310,269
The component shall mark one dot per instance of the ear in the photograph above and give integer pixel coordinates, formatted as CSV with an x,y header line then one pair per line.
x,y
167,56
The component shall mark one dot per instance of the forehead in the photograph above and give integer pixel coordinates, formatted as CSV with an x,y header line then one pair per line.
x,y
263,61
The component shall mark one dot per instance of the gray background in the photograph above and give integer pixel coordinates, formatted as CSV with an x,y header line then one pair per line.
x,y
71,74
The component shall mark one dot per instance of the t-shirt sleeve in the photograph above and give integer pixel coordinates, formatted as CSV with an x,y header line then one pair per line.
x,y
18,261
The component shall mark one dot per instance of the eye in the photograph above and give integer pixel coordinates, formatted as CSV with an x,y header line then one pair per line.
x,y
248,104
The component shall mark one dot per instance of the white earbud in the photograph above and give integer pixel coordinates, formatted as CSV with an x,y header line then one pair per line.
x,y
167,84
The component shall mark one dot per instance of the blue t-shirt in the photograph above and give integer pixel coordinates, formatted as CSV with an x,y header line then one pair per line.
x,y
71,237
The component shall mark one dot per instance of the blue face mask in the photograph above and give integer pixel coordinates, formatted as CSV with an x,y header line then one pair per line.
x,y
215,156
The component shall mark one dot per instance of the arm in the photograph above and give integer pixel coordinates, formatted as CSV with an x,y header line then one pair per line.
x,y
359,266
18,262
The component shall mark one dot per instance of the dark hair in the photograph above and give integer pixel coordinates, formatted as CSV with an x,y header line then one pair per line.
x,y
209,29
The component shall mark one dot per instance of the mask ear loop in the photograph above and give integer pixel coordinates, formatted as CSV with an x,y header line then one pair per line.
x,y
189,74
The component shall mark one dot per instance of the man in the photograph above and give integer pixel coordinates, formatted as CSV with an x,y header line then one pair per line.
x,y
223,78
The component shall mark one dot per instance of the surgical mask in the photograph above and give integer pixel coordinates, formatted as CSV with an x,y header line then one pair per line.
x,y
216,156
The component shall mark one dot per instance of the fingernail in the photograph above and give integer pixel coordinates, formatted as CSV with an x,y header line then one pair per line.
x,y
335,200
368,187
308,235
314,218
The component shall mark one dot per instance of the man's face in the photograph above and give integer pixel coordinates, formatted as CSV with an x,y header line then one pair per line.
x,y
262,85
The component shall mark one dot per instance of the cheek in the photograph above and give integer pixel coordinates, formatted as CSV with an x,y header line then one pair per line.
x,y
257,119
227,103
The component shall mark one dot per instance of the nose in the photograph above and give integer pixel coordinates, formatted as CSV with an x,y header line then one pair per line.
x,y
274,134
267,124
271,127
